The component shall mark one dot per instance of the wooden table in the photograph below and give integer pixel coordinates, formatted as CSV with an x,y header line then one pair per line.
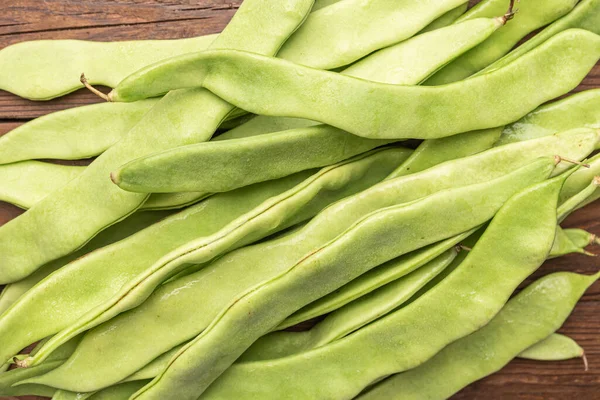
x,y
105,20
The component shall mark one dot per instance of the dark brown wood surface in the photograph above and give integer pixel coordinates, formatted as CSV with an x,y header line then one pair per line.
x,y
105,20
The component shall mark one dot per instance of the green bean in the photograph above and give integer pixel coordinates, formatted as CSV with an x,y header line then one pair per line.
x,y
119,392
555,347
28,182
446,19
533,314
350,317
252,159
230,164
374,279
71,134
436,151
190,116
586,15
513,246
262,307
64,60
219,224
292,90
115,233
532,15
65,395
578,110
382,24
188,305
580,180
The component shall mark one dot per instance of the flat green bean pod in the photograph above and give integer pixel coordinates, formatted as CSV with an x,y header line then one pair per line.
x,y
533,314
374,279
233,163
564,245
586,15
28,182
581,238
292,90
578,110
123,229
66,395
555,347
531,15
350,317
580,199
199,363
382,23
219,224
64,60
190,116
75,133
201,295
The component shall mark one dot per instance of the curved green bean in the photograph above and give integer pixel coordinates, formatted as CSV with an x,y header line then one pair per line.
x,y
219,224
8,379
115,233
532,14
578,110
200,362
555,347
37,236
76,133
64,60
581,238
382,275
201,295
28,182
550,70
233,163
350,317
585,15
382,24
533,314
563,244
579,199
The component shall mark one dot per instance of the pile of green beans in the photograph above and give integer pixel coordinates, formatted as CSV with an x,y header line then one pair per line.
x,y
258,179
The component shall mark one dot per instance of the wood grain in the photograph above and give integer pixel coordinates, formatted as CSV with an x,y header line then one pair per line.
x,y
105,20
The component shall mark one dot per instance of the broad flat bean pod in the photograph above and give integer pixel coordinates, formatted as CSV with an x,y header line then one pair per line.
x,y
201,295
71,134
533,314
292,90
571,241
531,15
350,317
578,110
115,233
522,232
227,164
374,279
219,224
190,116
64,60
325,269
382,24
28,182
580,199
555,347
586,15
